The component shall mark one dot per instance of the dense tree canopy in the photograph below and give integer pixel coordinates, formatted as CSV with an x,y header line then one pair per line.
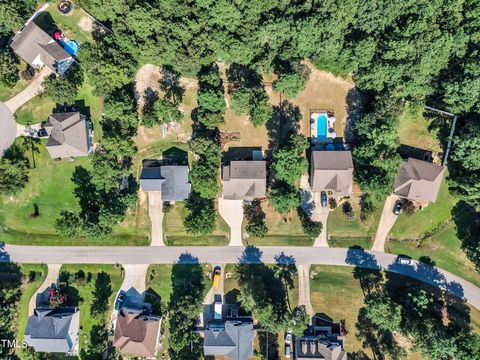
x,y
64,89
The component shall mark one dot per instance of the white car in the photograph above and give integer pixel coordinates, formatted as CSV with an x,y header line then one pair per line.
x,y
404,261
288,338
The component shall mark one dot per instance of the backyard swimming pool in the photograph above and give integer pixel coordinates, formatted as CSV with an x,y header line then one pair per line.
x,y
321,127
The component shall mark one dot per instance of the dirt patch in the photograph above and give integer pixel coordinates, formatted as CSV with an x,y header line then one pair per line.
x,y
86,24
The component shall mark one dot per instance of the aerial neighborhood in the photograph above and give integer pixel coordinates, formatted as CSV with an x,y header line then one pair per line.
x,y
241,180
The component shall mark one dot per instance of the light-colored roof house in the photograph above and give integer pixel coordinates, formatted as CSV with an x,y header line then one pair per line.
x,y
37,48
69,135
233,339
332,171
171,180
244,180
418,180
136,333
53,330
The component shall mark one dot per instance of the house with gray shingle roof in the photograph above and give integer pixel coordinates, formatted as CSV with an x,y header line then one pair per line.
x,y
332,171
70,135
53,330
170,180
39,49
244,180
418,180
233,338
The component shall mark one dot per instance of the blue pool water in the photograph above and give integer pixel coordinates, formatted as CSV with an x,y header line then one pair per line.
x,y
322,126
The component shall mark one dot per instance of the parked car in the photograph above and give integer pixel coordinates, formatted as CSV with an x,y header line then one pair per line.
x,y
217,272
404,260
120,301
287,351
288,337
42,133
397,207
323,199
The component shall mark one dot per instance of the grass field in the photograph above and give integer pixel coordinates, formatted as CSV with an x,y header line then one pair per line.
x,y
175,233
86,294
444,248
27,292
159,278
427,219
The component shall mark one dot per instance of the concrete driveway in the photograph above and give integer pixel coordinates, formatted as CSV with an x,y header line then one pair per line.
x,y
134,283
51,279
312,205
33,89
8,128
304,288
155,211
386,223
210,296
232,212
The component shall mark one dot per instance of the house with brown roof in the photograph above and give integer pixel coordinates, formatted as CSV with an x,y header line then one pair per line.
x,y
332,171
136,332
418,180
70,135
244,180
38,49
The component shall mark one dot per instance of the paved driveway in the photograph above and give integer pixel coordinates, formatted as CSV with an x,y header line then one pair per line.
x,y
233,254
51,279
385,225
8,128
311,204
304,288
155,210
33,89
232,212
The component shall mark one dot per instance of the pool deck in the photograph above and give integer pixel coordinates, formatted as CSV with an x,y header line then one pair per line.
x,y
314,140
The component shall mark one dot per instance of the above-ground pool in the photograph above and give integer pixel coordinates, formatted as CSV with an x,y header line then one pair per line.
x,y
71,46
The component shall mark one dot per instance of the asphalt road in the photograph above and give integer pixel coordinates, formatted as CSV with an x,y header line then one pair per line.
x,y
233,254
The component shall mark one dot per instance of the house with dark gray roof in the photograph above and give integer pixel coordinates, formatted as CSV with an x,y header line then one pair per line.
x,y
170,180
418,180
324,340
38,49
53,330
137,332
70,135
332,171
244,180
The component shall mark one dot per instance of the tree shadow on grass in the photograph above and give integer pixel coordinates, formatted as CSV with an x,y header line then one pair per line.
x,y
467,223
101,294
285,121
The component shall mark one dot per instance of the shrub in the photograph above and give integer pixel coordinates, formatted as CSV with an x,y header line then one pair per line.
x,y
348,211
332,202
366,206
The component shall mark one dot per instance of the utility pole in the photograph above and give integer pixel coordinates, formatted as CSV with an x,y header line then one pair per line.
x,y
452,130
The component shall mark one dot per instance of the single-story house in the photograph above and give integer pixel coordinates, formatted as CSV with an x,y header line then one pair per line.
x,y
332,171
170,180
418,180
323,340
244,180
37,49
137,332
70,135
53,330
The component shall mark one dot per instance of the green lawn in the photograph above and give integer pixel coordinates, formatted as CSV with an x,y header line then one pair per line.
x,y
175,233
86,294
159,278
70,25
342,232
281,240
27,292
443,248
425,220
338,295
35,111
